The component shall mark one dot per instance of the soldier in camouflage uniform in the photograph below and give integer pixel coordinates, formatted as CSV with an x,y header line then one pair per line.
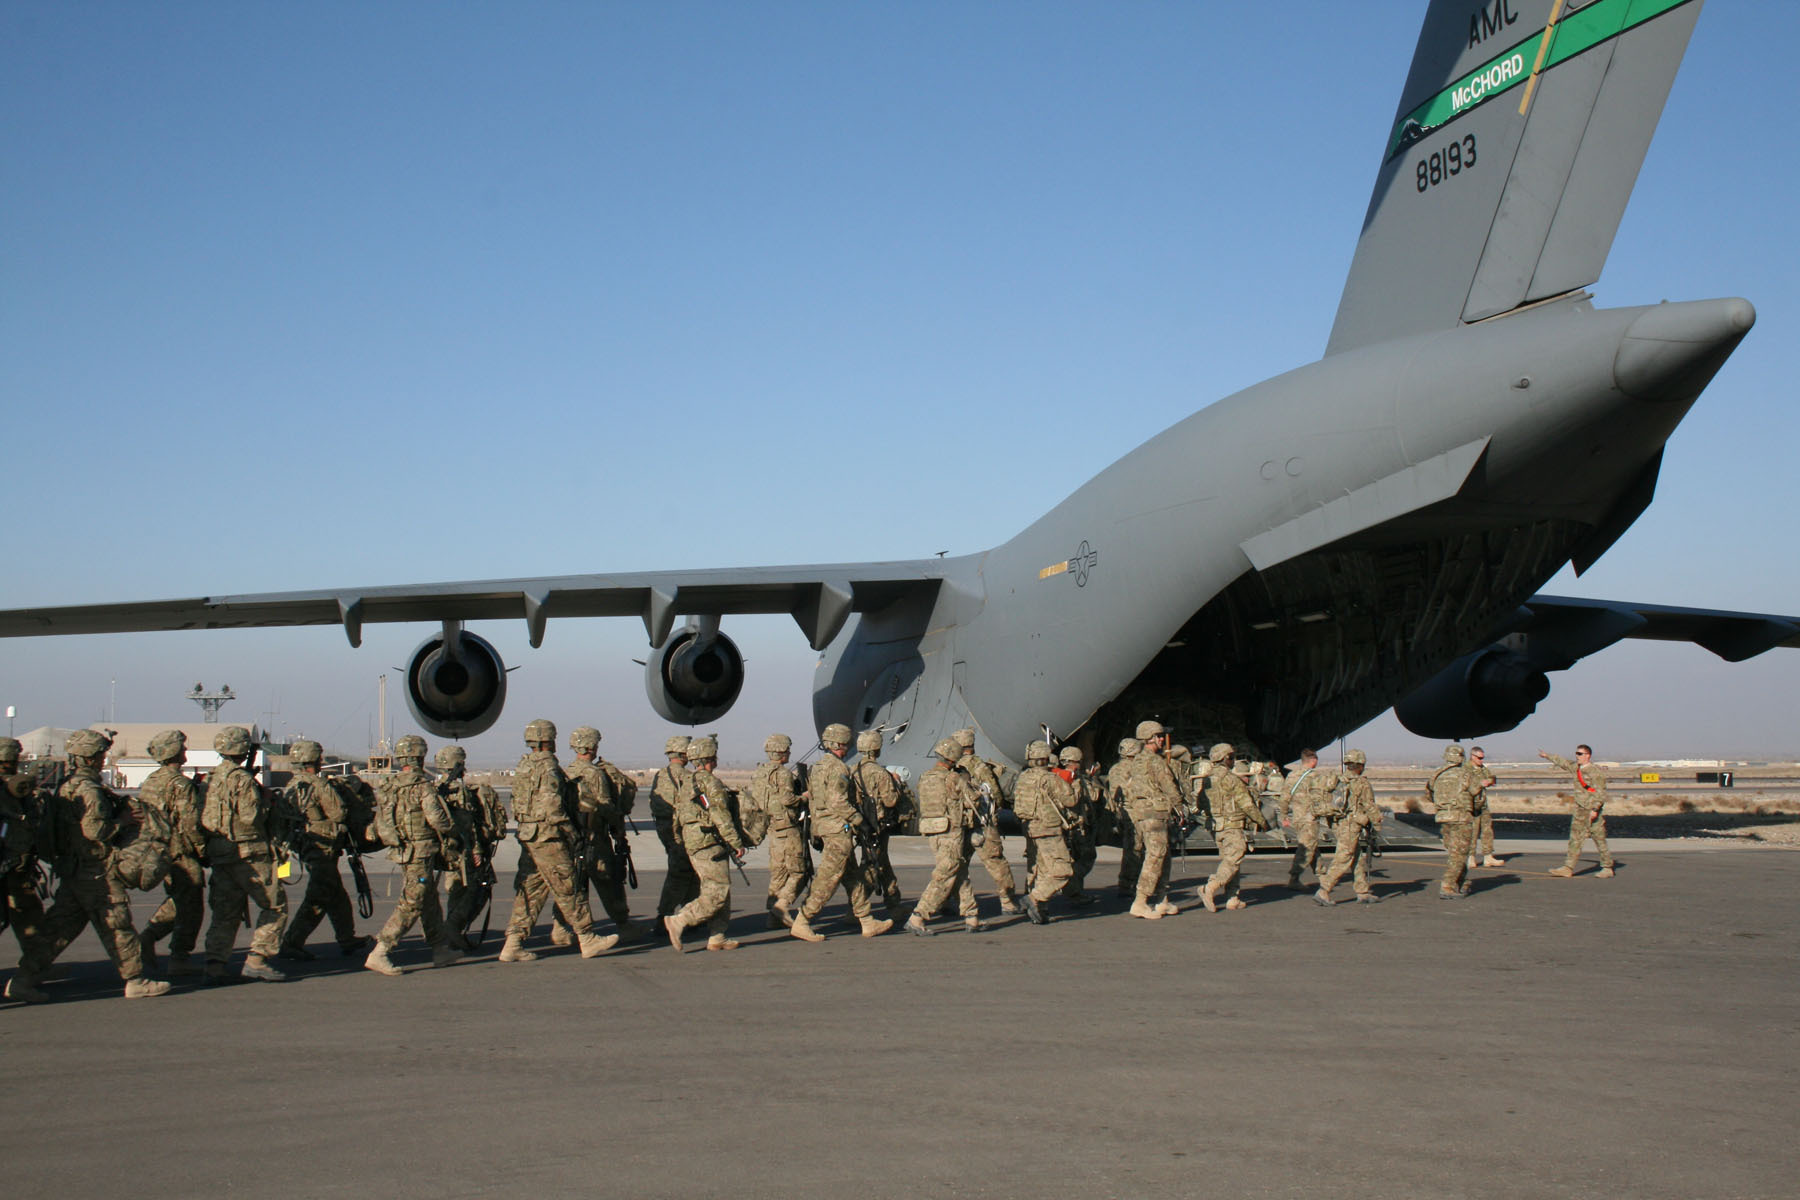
x,y
680,884
243,826
1235,813
426,833
946,819
172,793
775,791
711,836
1043,800
1358,812
547,870
881,799
478,831
1588,819
1131,842
20,814
1152,798
325,818
985,781
1480,780
1307,795
1449,790
600,791
835,820
1082,818
87,821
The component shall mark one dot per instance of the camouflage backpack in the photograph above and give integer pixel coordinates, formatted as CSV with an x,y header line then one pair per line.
x,y
143,860
387,826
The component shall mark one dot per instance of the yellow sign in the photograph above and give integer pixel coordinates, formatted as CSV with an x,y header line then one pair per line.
x,y
1650,777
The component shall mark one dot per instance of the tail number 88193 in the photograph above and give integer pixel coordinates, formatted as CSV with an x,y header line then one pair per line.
x,y
1447,163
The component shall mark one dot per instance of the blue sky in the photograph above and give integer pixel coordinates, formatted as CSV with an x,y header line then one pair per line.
x,y
302,296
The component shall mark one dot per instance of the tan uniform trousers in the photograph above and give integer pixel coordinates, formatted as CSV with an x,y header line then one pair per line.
x,y
608,884
1232,845
1153,877
1306,853
1580,830
184,903
26,908
712,872
1131,854
1348,851
837,864
1459,836
325,899
1053,867
789,865
90,894
237,881
993,856
546,873
1484,833
680,885
949,873
418,903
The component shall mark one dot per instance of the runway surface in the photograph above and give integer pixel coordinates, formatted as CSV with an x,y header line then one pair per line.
x,y
1545,1037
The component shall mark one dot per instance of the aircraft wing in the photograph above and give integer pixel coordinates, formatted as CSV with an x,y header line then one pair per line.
x,y
820,599
1571,628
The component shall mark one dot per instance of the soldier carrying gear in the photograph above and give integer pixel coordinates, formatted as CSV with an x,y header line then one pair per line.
x,y
91,821
1357,831
325,814
1131,843
21,814
1041,798
1302,805
1235,813
776,804
881,800
547,839
601,810
1152,800
680,884
468,858
1449,791
984,782
836,820
1082,819
428,837
946,819
172,793
243,824
709,832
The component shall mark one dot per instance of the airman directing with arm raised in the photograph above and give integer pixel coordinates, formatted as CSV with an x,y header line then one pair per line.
x,y
835,820
174,794
703,816
241,821
547,836
1480,780
1235,812
984,781
680,885
1449,789
946,819
1043,801
324,816
1358,814
1131,842
1588,820
1307,794
1151,798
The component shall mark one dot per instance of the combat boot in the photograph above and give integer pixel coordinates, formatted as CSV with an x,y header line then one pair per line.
x,y
783,914
23,988
1168,908
1009,903
142,988
628,930
1472,864
1206,898
1604,873
1083,899
1140,907
515,951
1563,872
719,941
1294,884
917,927
872,927
674,926
560,934
802,929
356,945
1367,898
257,967
1034,910
218,972
378,961
593,945
443,956
181,965
1234,904
1323,898
296,954
1493,861
974,925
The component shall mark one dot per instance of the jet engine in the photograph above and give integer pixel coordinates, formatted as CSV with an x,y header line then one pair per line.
x,y
455,684
696,676
1485,692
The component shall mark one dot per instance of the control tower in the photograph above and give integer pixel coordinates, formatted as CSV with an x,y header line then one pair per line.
x,y
211,702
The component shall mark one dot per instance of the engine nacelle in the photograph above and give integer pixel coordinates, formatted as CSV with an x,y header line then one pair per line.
x,y
695,677
1489,691
456,695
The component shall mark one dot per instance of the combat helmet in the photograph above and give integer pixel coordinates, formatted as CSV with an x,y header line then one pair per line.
x,y
1453,753
91,743
1130,747
232,741
836,734
1149,729
777,743
1181,754
1355,758
705,746
585,738
1220,752
10,749
677,744
168,745
1241,768
868,742
1069,754
410,746
948,750
305,753
1038,751
540,730
450,757
965,738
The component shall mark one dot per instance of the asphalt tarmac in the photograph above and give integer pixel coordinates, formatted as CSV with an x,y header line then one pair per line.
x,y
1545,1037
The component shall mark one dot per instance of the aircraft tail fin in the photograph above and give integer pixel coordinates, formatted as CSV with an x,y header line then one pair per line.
x,y
1504,177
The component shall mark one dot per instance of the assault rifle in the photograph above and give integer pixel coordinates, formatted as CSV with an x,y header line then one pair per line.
x,y
365,895
736,856
622,853
984,816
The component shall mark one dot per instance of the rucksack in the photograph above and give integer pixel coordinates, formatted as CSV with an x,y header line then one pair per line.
x,y
143,862
387,826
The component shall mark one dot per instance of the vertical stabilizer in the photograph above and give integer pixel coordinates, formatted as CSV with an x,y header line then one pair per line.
x,y
1504,176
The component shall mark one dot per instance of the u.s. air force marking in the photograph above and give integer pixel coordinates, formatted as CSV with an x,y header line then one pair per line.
x,y
1085,560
